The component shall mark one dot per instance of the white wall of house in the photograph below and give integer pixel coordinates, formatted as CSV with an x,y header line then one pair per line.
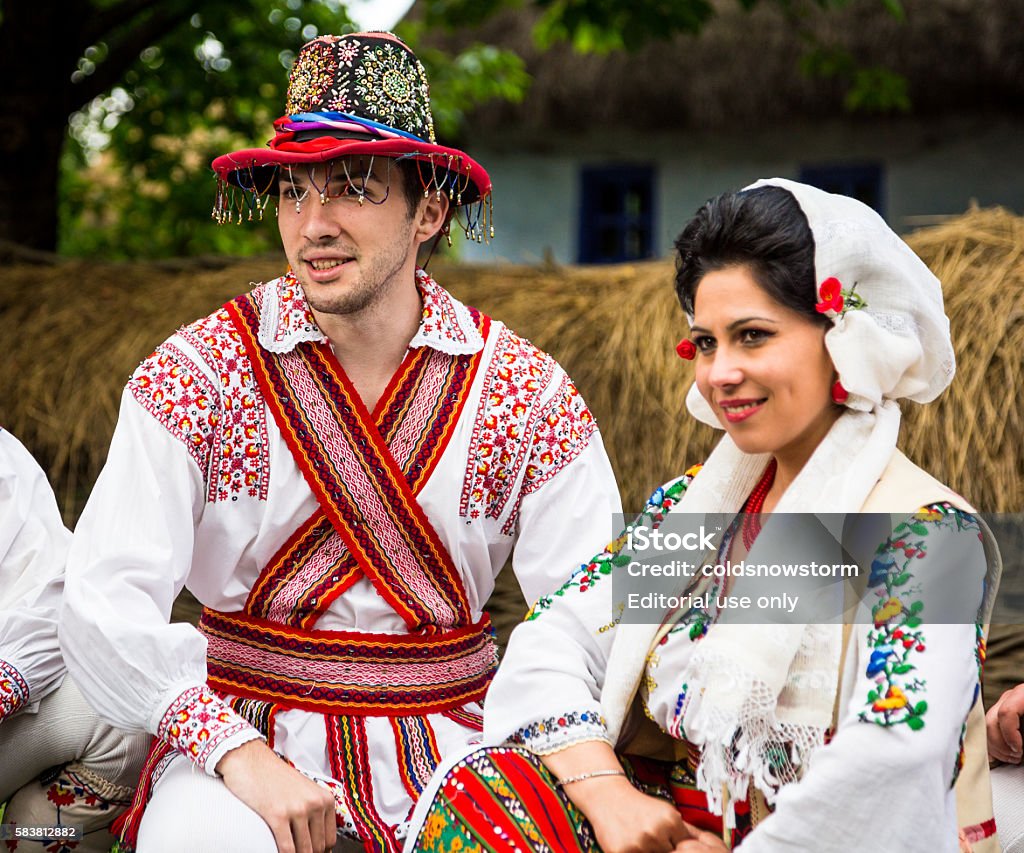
x,y
931,168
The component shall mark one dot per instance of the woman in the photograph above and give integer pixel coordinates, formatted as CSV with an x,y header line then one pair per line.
x,y
809,319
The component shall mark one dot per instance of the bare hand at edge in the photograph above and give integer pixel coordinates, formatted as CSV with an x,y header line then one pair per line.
x,y
299,812
1002,726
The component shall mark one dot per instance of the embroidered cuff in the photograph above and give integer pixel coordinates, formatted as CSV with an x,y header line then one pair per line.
x,y
13,690
556,733
203,728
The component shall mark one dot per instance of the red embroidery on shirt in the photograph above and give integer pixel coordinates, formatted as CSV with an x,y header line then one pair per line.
x,y
516,376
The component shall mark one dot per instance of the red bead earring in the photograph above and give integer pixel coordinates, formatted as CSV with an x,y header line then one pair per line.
x,y
839,394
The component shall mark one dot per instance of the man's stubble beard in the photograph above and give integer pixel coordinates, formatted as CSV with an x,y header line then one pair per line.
x,y
374,281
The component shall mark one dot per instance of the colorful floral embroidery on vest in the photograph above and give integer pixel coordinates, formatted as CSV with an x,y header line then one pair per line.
x,y
197,722
614,553
179,395
516,376
897,634
13,690
563,431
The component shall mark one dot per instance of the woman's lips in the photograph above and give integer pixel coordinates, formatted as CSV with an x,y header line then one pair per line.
x,y
739,410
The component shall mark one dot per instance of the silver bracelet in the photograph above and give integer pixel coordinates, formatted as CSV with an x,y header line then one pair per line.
x,y
561,783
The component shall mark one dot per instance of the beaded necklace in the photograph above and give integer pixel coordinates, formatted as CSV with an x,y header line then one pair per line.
x,y
755,503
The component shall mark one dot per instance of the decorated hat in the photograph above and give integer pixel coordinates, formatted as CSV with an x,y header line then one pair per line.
x,y
358,94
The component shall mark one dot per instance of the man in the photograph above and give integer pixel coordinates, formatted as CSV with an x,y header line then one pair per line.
x,y
337,465
45,725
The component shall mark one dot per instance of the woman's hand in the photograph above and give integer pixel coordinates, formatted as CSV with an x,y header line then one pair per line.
x,y
1002,726
623,819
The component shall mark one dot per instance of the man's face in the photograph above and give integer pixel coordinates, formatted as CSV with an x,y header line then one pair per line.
x,y
347,255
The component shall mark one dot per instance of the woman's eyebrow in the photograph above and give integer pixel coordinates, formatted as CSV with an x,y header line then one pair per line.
x,y
735,323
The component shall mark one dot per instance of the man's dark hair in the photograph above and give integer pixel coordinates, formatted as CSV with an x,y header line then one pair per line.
x,y
763,229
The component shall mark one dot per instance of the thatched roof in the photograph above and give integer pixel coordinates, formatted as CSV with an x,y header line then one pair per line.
x,y
743,70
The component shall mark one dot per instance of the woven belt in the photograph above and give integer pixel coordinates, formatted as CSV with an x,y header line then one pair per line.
x,y
347,672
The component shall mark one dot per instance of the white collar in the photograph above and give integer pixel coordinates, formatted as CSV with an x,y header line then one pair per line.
x,y
286,320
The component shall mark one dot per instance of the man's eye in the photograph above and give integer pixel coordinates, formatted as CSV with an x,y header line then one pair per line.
x,y
293,194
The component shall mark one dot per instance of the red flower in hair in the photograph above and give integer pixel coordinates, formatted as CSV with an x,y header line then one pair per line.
x,y
831,293
686,349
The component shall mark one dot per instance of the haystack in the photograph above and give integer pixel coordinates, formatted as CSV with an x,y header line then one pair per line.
x,y
74,331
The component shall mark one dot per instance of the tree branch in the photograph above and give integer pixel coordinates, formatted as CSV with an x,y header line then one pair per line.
x,y
102,22
123,53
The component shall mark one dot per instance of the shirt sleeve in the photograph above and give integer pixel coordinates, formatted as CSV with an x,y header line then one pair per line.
x,y
131,555
569,501
33,550
910,678
546,695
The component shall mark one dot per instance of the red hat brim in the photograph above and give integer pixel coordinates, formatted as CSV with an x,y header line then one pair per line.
x,y
248,168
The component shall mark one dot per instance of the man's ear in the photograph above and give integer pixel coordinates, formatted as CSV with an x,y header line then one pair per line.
x,y
431,215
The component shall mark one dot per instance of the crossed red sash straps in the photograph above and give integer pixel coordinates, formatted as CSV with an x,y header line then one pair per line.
x,y
366,489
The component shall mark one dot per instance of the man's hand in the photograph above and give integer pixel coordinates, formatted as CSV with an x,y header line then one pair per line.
x,y
298,811
1002,726
700,841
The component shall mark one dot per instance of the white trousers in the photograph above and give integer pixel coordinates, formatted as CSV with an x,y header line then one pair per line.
x,y
1008,802
192,811
94,767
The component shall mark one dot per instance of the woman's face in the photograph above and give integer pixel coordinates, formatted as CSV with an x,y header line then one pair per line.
x,y
762,367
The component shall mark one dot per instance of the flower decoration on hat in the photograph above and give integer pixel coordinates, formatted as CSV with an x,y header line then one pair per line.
x,y
686,349
837,300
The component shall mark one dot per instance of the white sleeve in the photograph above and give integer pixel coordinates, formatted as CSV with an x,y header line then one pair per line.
x,y
884,782
569,505
546,694
33,550
131,555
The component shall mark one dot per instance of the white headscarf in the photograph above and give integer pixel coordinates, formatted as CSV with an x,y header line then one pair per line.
x,y
759,691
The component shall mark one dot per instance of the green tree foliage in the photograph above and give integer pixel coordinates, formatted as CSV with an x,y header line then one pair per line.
x,y
209,87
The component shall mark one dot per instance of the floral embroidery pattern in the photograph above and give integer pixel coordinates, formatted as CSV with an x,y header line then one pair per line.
x,y
614,554
441,315
179,395
393,86
516,376
559,732
240,463
197,722
13,690
897,634
309,84
563,431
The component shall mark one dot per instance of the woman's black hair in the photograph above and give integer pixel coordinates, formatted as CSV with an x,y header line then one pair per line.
x,y
763,229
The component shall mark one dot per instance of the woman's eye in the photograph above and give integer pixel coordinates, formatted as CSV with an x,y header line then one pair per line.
x,y
704,343
754,336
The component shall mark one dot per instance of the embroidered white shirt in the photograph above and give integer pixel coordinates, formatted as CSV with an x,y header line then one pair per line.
x,y
200,490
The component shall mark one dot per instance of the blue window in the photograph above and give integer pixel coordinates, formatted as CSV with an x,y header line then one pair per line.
x,y
862,181
616,214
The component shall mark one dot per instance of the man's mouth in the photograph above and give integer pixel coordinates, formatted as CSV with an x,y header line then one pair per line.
x,y
321,264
